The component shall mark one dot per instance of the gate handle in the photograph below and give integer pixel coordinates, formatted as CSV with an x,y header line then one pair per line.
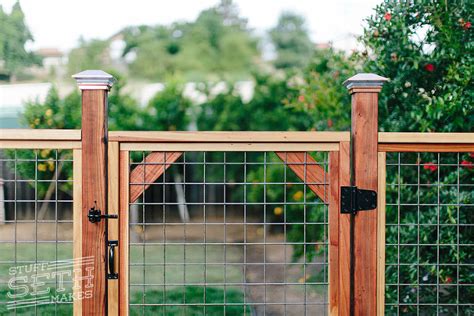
x,y
112,274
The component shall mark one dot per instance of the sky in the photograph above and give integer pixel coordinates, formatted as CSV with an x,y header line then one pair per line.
x,y
60,23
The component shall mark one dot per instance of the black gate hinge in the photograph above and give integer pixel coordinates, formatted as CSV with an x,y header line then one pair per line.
x,y
96,215
354,199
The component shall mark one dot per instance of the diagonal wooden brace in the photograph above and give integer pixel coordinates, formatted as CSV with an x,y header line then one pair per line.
x,y
315,174
150,169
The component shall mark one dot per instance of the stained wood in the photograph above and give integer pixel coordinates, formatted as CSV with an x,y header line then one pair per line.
x,y
426,138
381,234
149,170
334,203
94,193
344,234
40,134
124,233
77,218
113,225
229,146
229,137
364,142
309,173
418,147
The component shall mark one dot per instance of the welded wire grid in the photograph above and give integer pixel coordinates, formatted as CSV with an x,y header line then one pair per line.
x,y
429,234
35,231
234,233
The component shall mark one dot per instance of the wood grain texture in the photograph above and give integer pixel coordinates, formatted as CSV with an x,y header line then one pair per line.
x,y
309,173
364,142
334,203
39,144
150,169
94,193
229,137
419,147
77,219
113,224
344,234
40,134
381,234
124,233
426,138
229,146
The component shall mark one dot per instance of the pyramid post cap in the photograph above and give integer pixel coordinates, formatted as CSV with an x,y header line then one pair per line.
x,y
94,80
365,80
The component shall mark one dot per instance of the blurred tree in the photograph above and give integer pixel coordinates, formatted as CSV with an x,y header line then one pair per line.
x,y
91,54
54,112
426,49
217,44
14,35
321,93
167,110
291,40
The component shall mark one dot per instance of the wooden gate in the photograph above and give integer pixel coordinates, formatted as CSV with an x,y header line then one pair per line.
x,y
258,222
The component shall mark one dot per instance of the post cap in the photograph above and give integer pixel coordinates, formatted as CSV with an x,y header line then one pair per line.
x,y
365,80
94,80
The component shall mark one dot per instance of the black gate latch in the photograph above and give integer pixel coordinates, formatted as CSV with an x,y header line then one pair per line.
x,y
354,199
95,215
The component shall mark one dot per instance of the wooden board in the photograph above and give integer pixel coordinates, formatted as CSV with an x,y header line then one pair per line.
x,y
230,137
124,233
309,173
334,202
113,225
39,144
77,219
381,235
344,234
418,147
229,146
364,142
94,193
40,134
426,138
149,170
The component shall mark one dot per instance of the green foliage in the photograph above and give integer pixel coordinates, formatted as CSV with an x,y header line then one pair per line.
x,y
194,296
443,218
217,44
54,112
321,93
291,40
14,35
93,54
426,49
167,110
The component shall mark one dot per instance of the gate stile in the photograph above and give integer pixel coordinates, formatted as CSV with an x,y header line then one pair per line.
x,y
105,185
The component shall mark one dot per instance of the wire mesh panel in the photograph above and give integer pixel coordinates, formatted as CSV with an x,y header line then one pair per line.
x,y
36,232
234,233
429,234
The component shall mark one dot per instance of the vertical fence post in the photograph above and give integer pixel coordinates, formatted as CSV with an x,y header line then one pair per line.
x,y
94,85
364,89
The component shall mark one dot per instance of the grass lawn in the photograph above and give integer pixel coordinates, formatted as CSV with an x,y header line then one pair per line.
x,y
165,264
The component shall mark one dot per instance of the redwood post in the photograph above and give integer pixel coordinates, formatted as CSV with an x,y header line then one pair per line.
x,y
95,85
364,89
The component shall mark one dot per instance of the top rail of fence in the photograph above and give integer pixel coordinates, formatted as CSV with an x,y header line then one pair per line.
x,y
388,141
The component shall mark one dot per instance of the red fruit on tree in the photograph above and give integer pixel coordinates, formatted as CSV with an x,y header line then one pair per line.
x,y
429,67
